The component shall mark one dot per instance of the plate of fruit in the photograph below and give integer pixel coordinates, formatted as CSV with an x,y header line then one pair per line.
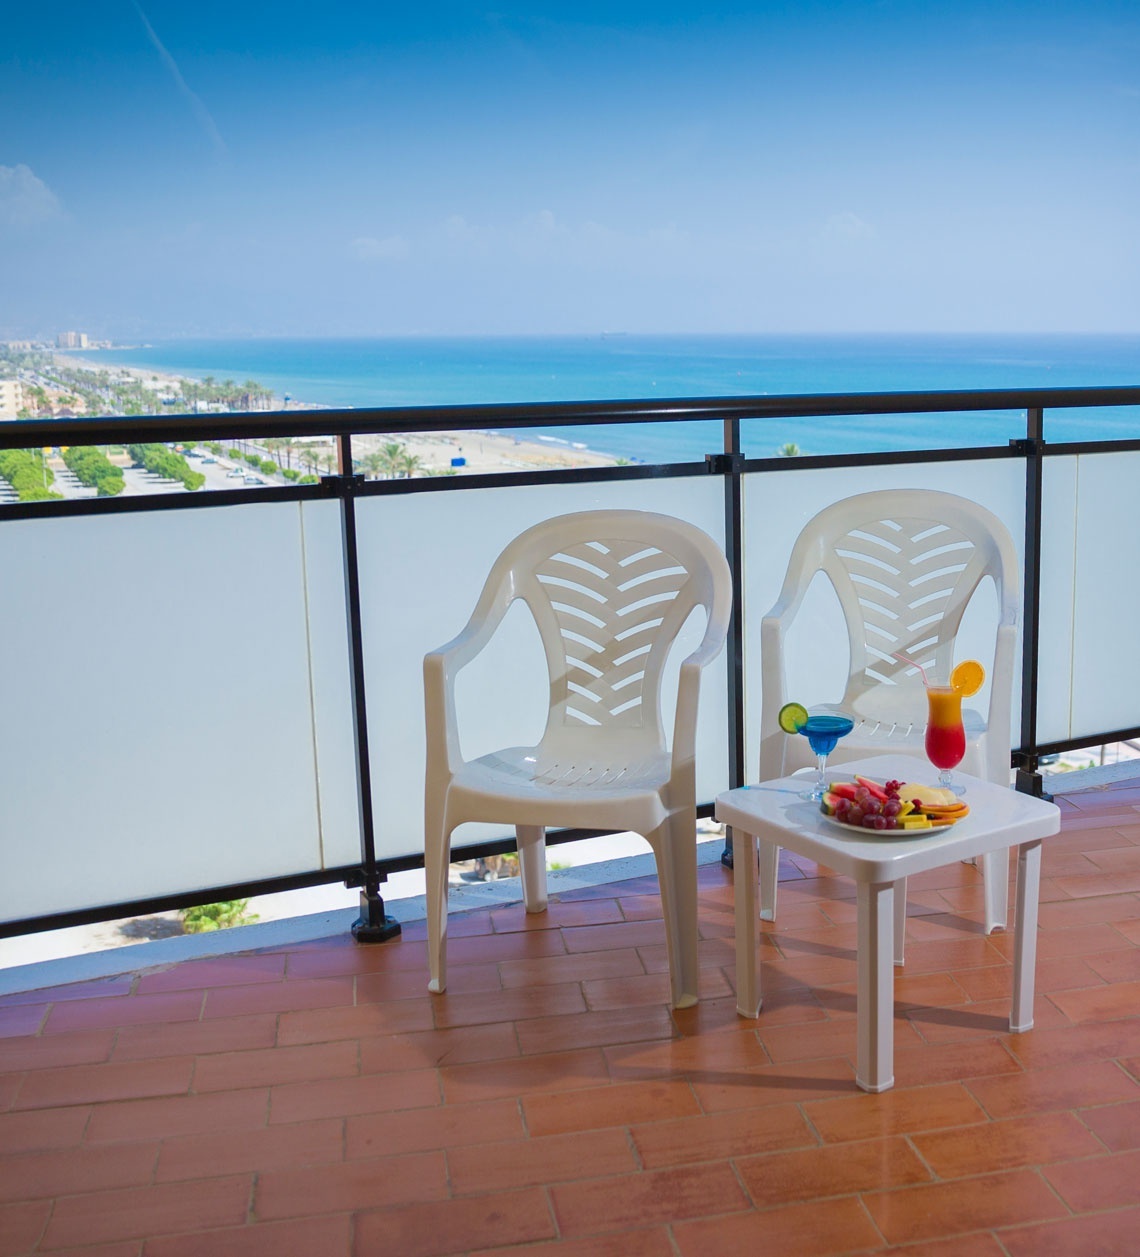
x,y
891,809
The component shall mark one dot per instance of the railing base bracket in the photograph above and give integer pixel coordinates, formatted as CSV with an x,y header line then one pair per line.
x,y
365,932
1032,783
374,925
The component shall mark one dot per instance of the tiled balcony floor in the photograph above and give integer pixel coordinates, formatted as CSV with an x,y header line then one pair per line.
x,y
315,1100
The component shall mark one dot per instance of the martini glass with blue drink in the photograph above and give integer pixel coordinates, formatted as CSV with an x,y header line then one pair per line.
x,y
823,731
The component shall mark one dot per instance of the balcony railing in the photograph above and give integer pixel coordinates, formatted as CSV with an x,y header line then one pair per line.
x,y
216,694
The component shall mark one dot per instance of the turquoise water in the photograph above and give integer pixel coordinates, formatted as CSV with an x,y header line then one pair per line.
x,y
415,371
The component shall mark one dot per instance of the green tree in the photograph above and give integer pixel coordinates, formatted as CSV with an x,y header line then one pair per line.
x,y
164,462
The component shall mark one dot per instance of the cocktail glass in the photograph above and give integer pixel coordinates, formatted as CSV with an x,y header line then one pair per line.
x,y
822,733
945,733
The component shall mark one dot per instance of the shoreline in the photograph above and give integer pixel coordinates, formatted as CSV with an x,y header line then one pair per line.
x,y
483,451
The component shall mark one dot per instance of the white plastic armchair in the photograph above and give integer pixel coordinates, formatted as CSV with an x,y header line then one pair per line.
x,y
904,565
609,592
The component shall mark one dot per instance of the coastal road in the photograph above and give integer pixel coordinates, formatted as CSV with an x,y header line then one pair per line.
x,y
137,481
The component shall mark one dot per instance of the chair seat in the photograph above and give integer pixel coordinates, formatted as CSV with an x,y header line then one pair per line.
x,y
526,770
564,792
897,735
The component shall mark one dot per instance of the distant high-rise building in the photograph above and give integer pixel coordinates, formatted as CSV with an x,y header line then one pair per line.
x,y
11,399
71,340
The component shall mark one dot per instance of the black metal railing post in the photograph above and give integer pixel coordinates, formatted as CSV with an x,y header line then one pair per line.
x,y
1028,778
730,465
373,924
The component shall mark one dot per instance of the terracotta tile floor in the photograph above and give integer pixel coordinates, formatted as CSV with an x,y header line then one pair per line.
x,y
315,1100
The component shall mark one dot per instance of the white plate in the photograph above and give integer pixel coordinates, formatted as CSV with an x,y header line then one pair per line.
x,y
893,835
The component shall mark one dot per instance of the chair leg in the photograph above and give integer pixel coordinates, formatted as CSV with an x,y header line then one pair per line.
x,y
769,876
437,856
675,849
995,885
532,866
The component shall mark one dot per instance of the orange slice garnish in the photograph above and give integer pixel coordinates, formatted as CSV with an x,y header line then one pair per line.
x,y
967,678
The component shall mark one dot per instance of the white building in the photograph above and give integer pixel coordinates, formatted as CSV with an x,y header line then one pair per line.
x,y
71,340
11,398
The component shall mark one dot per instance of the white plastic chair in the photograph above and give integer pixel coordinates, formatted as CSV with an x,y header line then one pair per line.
x,y
609,592
904,564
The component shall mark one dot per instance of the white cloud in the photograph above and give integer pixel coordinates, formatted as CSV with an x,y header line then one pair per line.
x,y
25,199
390,249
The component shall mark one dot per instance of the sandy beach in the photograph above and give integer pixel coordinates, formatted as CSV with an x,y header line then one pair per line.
x,y
482,451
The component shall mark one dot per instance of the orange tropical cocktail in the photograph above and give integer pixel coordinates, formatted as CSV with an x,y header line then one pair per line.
x,y
945,733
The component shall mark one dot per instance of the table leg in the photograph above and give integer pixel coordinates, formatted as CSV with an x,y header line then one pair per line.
x,y
1025,935
900,921
769,879
875,995
744,897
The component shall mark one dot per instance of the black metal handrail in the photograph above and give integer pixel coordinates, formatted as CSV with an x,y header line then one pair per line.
x,y
416,419
729,463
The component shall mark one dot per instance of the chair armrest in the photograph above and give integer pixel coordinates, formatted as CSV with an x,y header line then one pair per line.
x,y
440,670
688,696
1000,714
773,687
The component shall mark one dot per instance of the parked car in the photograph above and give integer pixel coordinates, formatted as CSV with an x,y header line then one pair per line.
x,y
235,473
254,480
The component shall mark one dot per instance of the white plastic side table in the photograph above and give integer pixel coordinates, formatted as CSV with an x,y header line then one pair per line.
x,y
774,813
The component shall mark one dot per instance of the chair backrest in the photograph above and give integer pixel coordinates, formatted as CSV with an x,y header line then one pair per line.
x,y
904,565
609,592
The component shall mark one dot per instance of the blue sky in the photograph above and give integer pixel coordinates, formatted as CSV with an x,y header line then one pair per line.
x,y
298,168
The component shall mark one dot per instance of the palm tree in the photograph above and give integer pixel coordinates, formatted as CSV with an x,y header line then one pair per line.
x,y
387,461
790,450
274,445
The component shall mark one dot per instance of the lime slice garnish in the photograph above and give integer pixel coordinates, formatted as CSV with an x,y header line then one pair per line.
x,y
967,678
792,717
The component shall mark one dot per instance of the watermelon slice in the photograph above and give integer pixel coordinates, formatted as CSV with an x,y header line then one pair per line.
x,y
876,790
844,789
828,802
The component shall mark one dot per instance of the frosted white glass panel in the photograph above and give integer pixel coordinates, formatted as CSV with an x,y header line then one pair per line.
x,y
1106,664
157,729
334,743
423,560
1058,574
777,505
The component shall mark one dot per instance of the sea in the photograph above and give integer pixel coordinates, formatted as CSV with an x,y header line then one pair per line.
x,y
435,371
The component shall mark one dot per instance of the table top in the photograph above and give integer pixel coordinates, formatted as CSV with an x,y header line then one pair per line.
x,y
998,818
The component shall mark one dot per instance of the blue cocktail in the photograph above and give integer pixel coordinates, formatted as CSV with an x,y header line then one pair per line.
x,y
822,733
